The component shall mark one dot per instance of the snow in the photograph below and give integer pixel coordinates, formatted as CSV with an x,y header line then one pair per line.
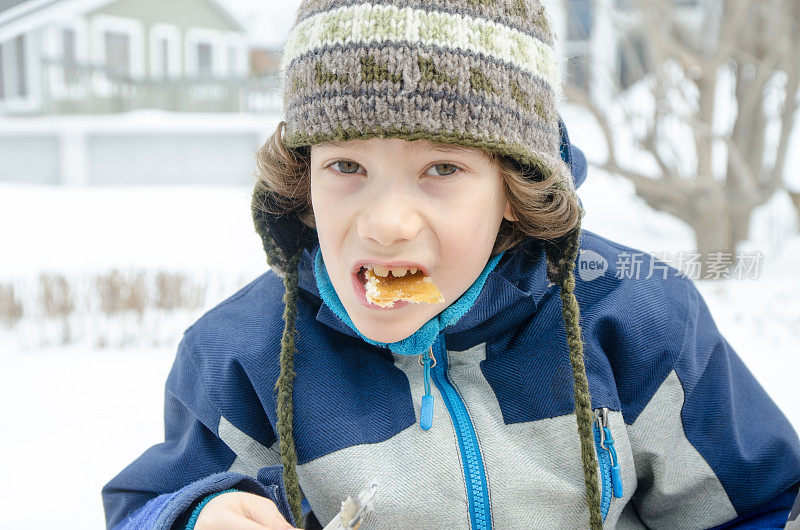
x,y
74,418
78,413
84,229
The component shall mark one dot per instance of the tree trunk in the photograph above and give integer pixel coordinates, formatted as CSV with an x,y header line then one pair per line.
x,y
711,221
740,226
796,200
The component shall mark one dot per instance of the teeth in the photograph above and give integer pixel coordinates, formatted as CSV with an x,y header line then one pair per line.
x,y
380,270
397,272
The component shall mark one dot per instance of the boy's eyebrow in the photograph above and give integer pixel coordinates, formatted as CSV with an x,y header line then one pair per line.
x,y
344,145
415,147
443,148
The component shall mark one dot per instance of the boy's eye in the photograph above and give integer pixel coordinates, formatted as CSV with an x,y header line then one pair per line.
x,y
349,167
346,166
443,170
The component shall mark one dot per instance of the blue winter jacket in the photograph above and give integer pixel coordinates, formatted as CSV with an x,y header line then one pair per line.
x,y
685,435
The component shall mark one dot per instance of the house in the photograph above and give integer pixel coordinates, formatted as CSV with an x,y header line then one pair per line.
x,y
129,92
99,56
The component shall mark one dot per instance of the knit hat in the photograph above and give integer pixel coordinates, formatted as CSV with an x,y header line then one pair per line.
x,y
477,73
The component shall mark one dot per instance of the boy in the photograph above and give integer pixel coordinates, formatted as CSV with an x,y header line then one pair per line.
x,y
422,142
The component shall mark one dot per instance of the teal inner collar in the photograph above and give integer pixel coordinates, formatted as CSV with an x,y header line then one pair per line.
x,y
424,337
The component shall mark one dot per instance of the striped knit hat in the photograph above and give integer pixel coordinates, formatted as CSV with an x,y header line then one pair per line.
x,y
478,73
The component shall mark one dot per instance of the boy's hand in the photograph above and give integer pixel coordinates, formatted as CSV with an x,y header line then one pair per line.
x,y
241,511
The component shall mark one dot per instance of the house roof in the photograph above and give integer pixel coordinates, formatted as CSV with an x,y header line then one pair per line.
x,y
225,13
11,10
6,4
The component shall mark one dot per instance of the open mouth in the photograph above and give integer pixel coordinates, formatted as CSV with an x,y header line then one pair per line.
x,y
360,284
386,291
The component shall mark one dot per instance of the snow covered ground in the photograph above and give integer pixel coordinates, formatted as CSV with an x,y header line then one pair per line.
x,y
74,418
77,414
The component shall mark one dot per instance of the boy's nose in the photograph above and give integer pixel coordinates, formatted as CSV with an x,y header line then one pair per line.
x,y
388,217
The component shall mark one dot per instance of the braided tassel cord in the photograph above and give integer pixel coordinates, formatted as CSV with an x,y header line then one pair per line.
x,y
583,411
285,387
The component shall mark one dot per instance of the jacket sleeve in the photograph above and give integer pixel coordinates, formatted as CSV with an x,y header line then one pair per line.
x,y
710,447
162,486
773,514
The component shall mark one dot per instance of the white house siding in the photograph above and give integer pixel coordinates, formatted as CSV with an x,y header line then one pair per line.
x,y
123,159
141,148
191,22
29,159
166,50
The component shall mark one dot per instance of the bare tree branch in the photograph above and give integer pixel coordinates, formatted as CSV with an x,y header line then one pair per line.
x,y
680,65
656,190
582,98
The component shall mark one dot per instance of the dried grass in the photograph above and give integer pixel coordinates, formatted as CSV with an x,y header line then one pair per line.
x,y
120,293
56,295
118,308
11,309
176,291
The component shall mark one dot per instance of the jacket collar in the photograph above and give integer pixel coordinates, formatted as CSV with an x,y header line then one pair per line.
x,y
517,275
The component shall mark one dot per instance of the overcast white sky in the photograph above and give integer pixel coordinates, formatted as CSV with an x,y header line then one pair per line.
x,y
268,21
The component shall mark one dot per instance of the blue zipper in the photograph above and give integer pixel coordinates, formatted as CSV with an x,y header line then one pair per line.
x,y
428,361
607,458
474,473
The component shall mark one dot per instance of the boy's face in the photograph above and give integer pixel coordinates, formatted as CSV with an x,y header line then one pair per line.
x,y
406,202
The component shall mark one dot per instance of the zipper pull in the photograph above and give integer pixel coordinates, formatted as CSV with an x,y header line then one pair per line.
x,y
607,441
427,361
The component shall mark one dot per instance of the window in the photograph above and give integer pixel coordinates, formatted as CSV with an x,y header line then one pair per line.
x,y
66,54
205,53
205,60
14,68
118,54
163,54
69,49
579,14
120,47
22,74
2,80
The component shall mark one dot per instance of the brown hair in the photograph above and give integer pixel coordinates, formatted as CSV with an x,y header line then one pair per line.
x,y
541,207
